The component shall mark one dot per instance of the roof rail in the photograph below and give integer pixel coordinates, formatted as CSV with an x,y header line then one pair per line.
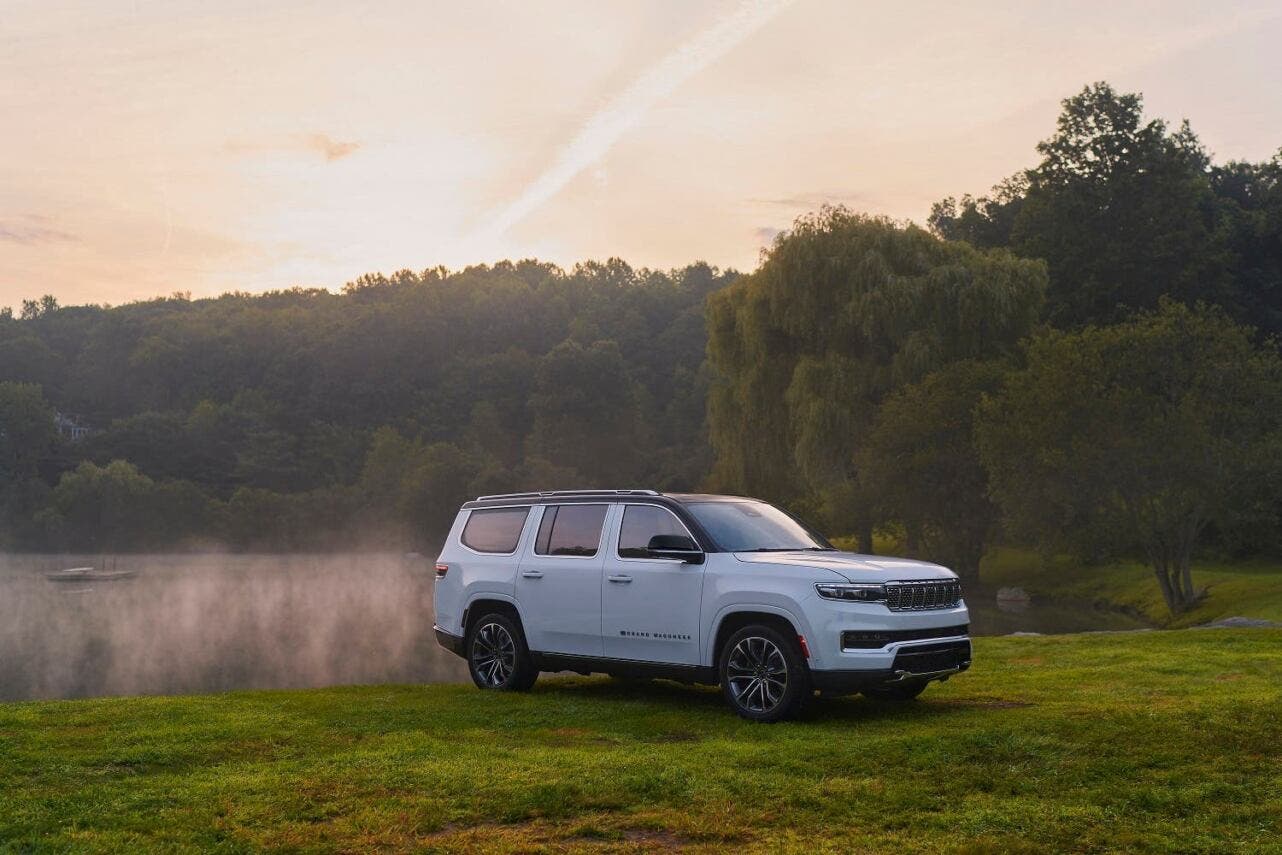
x,y
508,496
548,493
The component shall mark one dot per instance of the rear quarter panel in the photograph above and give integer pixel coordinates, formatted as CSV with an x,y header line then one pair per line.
x,y
474,576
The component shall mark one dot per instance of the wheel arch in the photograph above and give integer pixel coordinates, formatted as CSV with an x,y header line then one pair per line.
x,y
483,604
734,618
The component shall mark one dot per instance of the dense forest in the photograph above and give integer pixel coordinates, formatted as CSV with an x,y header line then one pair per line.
x,y
1082,359
308,419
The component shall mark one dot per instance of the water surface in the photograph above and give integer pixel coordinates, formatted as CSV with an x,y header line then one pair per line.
x,y
208,623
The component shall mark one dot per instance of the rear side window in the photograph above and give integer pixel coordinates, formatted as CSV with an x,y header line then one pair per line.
x,y
570,530
494,529
642,522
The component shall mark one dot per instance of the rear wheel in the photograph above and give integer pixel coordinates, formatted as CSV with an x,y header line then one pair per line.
x,y
905,691
497,656
763,675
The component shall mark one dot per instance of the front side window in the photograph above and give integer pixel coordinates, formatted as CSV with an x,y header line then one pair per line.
x,y
570,530
747,526
643,522
494,529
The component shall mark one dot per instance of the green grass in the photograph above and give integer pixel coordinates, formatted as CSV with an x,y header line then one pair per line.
x,y
1250,589
1149,742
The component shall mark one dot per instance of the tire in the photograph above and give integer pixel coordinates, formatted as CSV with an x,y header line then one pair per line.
x,y
763,675
905,691
497,657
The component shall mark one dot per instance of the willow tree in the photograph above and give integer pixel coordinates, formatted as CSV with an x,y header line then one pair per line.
x,y
844,309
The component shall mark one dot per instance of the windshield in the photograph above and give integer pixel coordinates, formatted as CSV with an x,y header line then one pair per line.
x,y
746,526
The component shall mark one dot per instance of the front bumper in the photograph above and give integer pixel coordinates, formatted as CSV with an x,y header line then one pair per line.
x,y
451,642
925,662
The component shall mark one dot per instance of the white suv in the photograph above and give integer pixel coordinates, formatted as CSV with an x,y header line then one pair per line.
x,y
704,589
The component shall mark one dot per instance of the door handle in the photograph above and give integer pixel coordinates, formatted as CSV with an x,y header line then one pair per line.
x,y
532,574
619,578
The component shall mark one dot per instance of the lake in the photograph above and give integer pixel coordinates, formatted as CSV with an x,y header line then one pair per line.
x,y
209,623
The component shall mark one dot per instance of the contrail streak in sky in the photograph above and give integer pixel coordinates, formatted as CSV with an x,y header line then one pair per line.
x,y
599,133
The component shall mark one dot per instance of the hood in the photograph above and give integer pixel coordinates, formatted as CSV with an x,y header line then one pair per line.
x,y
852,566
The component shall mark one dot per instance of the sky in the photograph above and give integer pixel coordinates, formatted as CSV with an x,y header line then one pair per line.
x,y
155,147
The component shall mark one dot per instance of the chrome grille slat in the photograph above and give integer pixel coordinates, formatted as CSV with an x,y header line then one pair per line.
x,y
922,595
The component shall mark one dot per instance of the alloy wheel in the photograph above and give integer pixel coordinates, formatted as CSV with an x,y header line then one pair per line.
x,y
493,654
757,674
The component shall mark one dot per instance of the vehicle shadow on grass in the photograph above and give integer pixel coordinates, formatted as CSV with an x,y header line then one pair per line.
x,y
685,697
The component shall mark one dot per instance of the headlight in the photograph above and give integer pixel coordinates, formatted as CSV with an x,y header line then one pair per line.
x,y
870,593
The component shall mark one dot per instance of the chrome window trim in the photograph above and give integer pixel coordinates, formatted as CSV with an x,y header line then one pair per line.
x,y
624,507
534,547
519,537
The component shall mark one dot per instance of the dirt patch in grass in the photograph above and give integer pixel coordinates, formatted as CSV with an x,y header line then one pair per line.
x,y
655,839
568,736
676,736
983,704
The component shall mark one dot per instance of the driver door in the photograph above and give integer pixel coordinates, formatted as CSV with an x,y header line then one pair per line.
x,y
649,606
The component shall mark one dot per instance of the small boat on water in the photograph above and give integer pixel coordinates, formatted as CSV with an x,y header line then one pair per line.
x,y
88,574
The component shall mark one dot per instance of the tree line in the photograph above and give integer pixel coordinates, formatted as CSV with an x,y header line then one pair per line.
x,y
305,419
1082,359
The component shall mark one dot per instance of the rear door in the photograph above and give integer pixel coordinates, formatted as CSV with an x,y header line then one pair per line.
x,y
558,583
649,607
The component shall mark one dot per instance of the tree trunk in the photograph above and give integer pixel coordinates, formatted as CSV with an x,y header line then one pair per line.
x,y
968,561
1187,595
1164,581
864,539
1176,581
912,540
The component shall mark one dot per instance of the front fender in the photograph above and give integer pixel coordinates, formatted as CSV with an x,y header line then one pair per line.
x,y
776,604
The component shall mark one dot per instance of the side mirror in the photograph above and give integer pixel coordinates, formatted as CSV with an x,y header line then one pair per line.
x,y
676,547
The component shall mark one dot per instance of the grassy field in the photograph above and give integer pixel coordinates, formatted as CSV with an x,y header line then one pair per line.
x,y
1148,742
1249,589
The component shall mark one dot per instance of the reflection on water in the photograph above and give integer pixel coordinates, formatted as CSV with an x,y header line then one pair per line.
x,y
216,622
990,616
209,623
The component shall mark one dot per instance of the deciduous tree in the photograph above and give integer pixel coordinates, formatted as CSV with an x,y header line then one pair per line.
x,y
1137,436
845,309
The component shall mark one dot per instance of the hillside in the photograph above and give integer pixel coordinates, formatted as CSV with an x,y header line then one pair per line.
x,y
1149,742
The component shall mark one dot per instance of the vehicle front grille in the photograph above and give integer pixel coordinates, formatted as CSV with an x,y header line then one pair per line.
x,y
873,639
933,657
915,596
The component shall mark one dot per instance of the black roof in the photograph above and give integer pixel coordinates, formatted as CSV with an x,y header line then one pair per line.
x,y
687,498
548,496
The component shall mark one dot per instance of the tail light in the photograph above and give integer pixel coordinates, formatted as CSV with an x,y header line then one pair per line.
x,y
441,570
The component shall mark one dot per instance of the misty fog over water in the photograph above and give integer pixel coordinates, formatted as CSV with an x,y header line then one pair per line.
x,y
208,623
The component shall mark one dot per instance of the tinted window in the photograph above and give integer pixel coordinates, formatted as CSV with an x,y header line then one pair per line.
x,y
494,530
570,530
642,522
754,526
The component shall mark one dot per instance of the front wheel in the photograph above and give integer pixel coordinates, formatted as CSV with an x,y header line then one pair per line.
x,y
497,656
763,675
